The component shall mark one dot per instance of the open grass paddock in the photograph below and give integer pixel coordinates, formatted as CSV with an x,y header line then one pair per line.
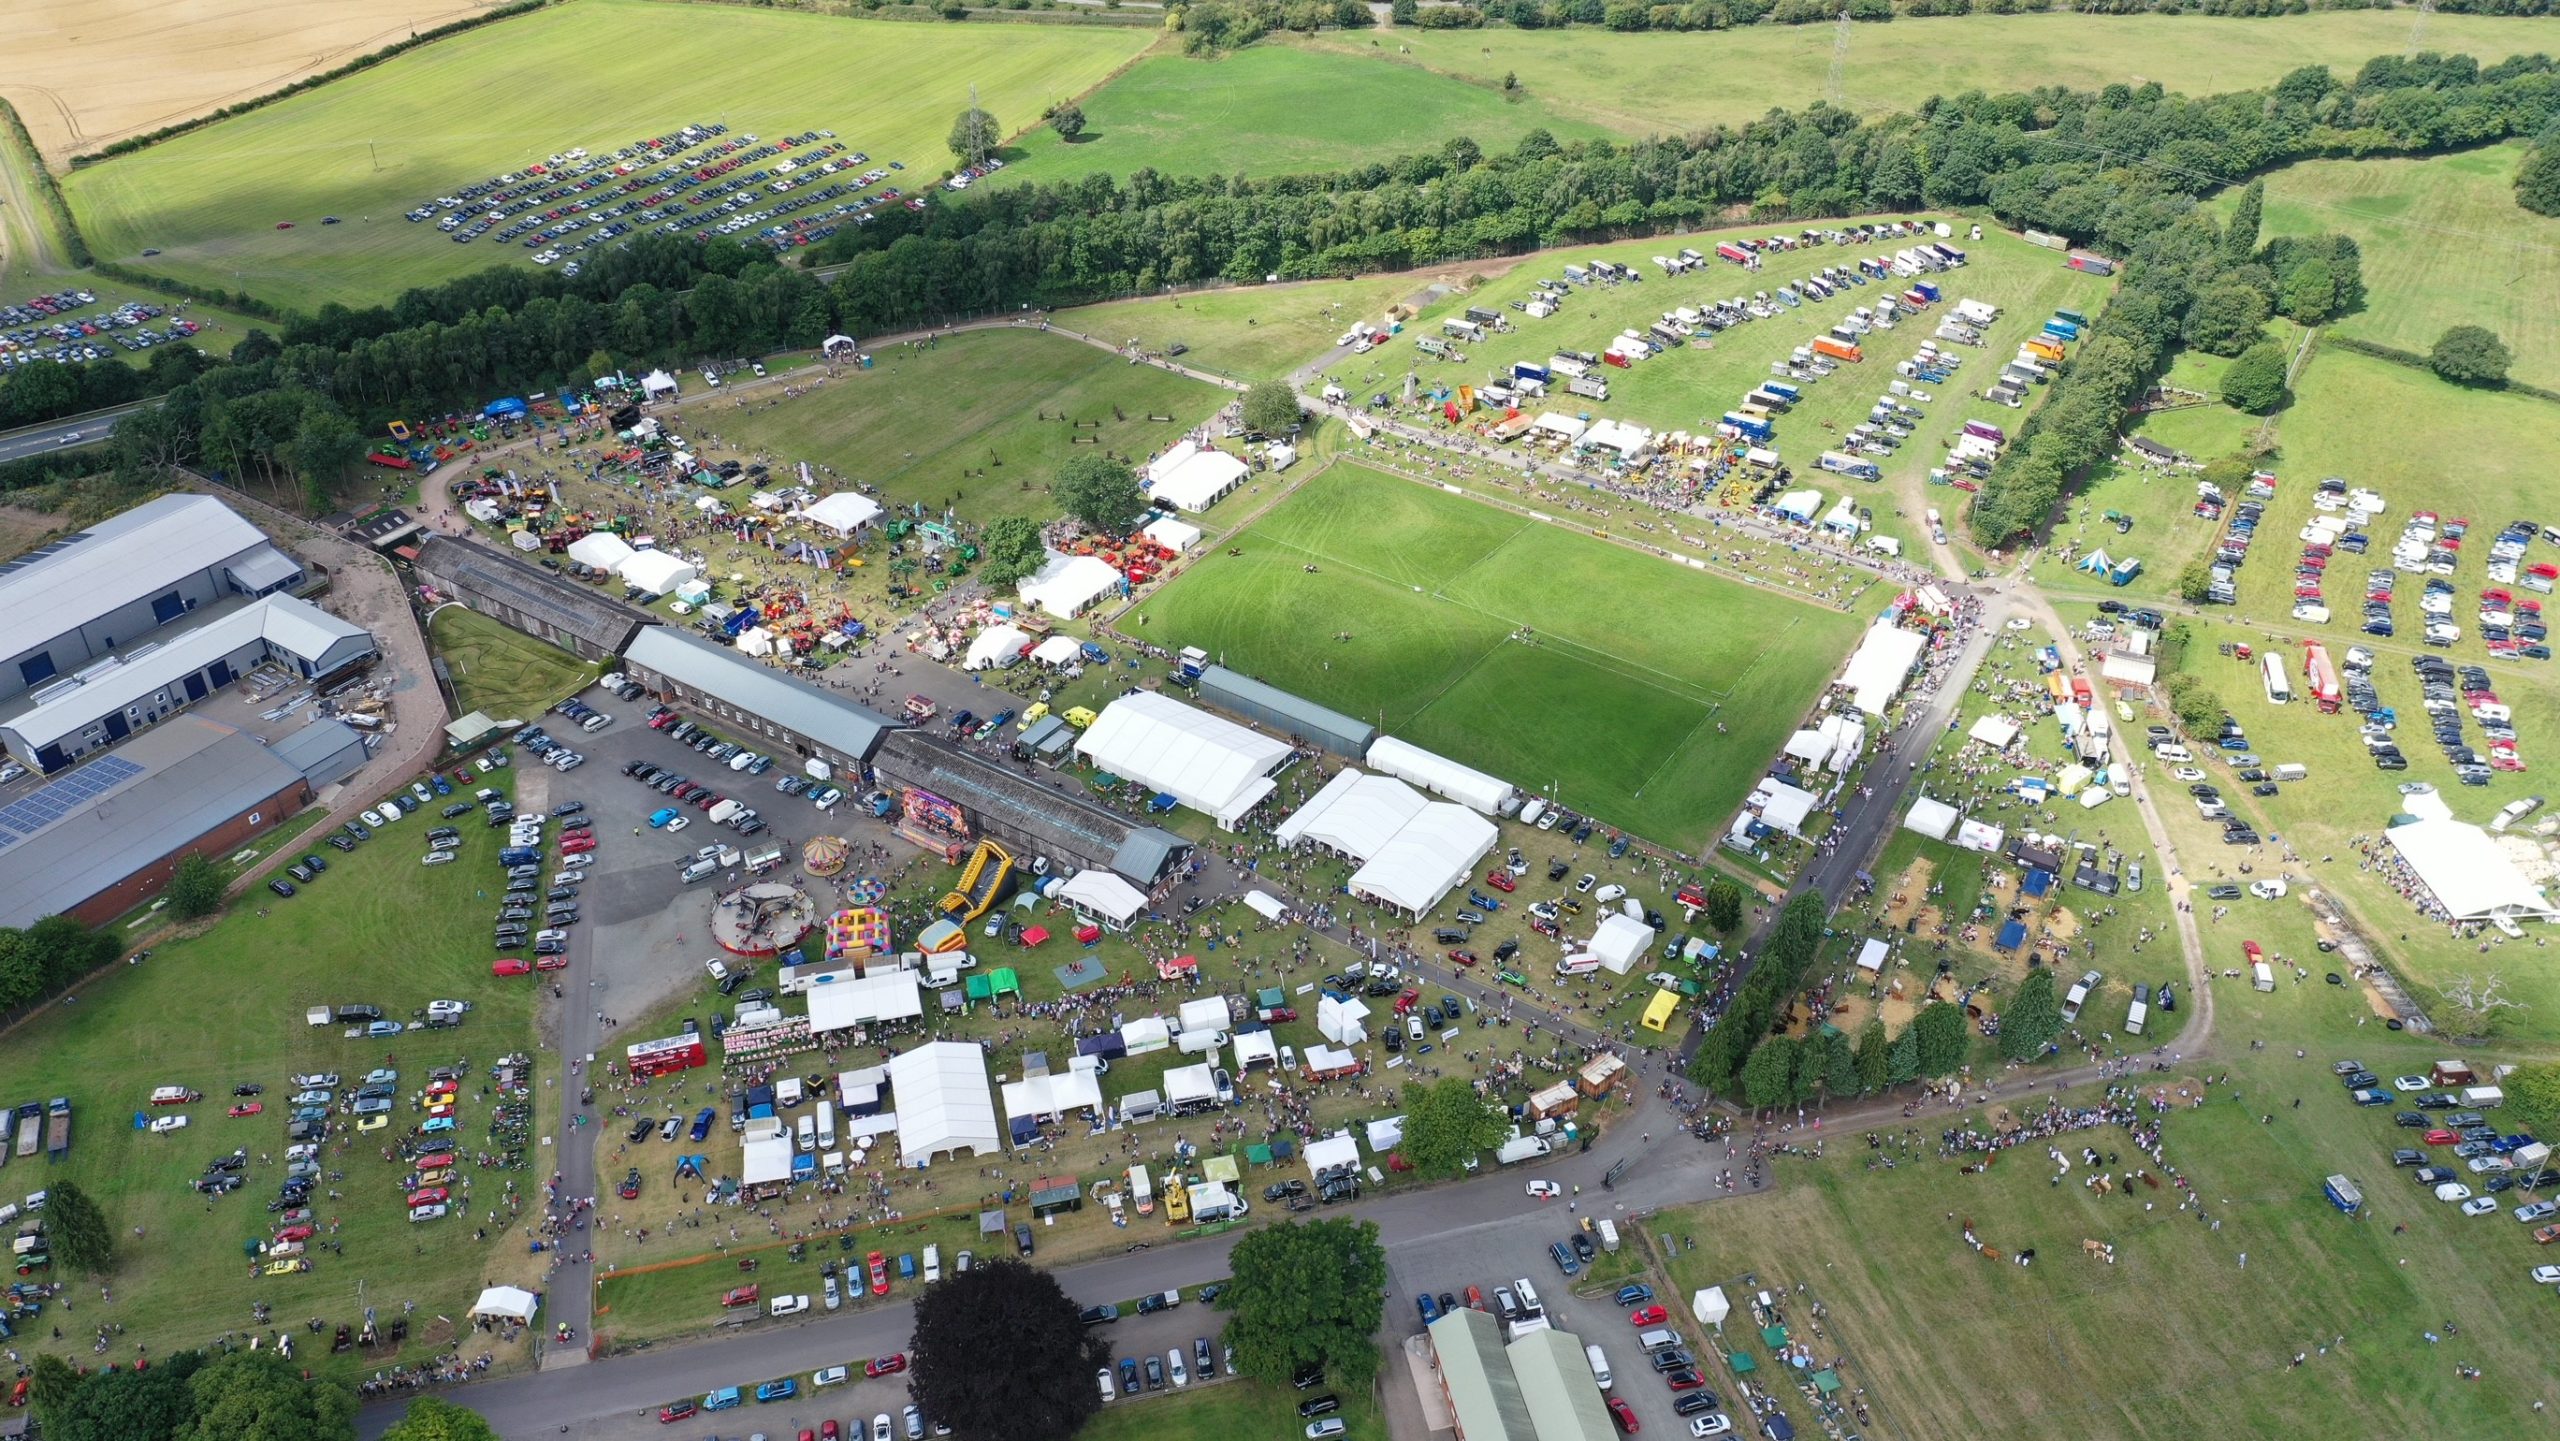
x,y
1615,698
502,670
599,74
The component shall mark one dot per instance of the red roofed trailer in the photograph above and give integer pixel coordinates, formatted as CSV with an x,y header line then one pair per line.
x,y
666,1057
2322,675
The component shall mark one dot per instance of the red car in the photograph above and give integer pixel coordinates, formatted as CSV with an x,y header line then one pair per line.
x,y
294,1233
1648,1316
578,844
430,1196
1500,880
510,966
1406,1001
828,1430
246,1108
879,1265
741,1296
675,1411
435,1162
1462,958
1625,1416
551,963
889,1365
2441,1138
1685,1380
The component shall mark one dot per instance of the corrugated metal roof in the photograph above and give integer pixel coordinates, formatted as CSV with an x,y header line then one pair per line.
x,y
324,751
1482,1389
193,774
296,627
760,689
87,574
599,620
1065,818
1556,1383
1307,718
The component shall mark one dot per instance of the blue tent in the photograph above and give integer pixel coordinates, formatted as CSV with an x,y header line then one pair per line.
x,y
2011,936
2038,881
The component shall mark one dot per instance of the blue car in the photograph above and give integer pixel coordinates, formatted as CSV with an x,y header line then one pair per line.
x,y
1635,1295
782,1390
702,1123
722,1399
1430,1308
659,818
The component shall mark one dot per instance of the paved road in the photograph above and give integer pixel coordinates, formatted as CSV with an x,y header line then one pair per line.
x,y
84,430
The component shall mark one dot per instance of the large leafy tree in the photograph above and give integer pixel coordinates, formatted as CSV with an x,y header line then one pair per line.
x,y
1100,491
1872,1059
1724,903
1271,407
2240,237
2538,179
1446,1125
2255,381
2226,319
1004,1310
119,1405
2470,355
195,887
1940,1029
1010,550
1768,1077
260,1395
432,1419
78,1229
1307,1293
974,136
2533,1093
2032,1017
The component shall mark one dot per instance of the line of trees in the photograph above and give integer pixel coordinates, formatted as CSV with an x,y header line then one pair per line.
x,y
1745,1028
196,1396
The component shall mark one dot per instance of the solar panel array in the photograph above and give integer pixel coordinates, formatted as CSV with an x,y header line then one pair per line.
x,y
46,551
60,798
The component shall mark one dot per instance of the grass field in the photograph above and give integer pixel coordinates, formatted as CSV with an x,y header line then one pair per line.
x,y
225,1008
2444,244
1646,84
501,670
1233,1411
1618,719
1249,113
1260,332
597,74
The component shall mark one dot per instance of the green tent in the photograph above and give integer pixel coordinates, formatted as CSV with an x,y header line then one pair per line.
x,y
1775,1336
1004,980
1826,1381
1742,1363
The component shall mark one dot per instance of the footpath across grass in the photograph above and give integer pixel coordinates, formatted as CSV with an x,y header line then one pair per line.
x,y
226,1008
1647,694
502,670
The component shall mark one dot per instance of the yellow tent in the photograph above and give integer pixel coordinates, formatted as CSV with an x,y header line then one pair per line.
x,y
1659,1010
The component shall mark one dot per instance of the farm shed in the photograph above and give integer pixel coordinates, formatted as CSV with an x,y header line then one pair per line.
x,y
842,513
717,682
1104,899
1194,477
1556,1383
944,1104
1931,818
1291,715
601,549
324,751
1426,858
996,648
1620,942
1172,533
1476,1379
1355,815
543,605
656,572
1211,765
2472,875
841,1000
1439,774
1067,584
1881,664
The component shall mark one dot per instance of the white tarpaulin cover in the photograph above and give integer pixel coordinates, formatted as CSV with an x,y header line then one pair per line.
x,y
944,1103
1209,764
2471,874
1146,1033
1621,942
1354,815
1265,905
843,512
1057,650
839,1000
1331,1151
1104,897
1171,533
1193,478
1438,774
998,646
511,1301
765,1159
1883,661
2127,669
1931,818
1206,1013
1426,859
1994,731
602,549
1052,1095
1871,955
1068,583
659,573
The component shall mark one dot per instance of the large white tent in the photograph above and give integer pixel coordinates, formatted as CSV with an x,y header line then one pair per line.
x,y
1784,806
1620,942
1205,1013
1355,815
1331,1151
843,512
1209,764
1190,1086
1172,533
1426,859
1931,818
1994,731
1145,1034
944,1103
657,383
764,1155
1103,898
513,1302
602,549
996,647
1439,774
1194,477
1052,1095
2472,876
658,572
1256,1048
1057,650
1067,584
1882,663
1343,1020
841,1000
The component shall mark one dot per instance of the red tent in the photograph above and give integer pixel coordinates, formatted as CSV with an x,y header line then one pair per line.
x,y
1034,935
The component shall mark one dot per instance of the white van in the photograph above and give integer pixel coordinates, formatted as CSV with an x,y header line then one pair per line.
x,y
808,1134
697,870
2289,771
933,1263
1599,1365
2174,752
826,1125
1528,1295
1657,1338
1581,965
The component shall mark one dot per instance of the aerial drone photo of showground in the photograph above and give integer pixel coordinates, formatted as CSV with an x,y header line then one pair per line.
x,y
1346,721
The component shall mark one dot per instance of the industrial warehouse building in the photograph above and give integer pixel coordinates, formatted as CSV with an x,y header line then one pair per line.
x,y
544,605
713,680
1539,1388
1031,818
1290,715
74,600
101,839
